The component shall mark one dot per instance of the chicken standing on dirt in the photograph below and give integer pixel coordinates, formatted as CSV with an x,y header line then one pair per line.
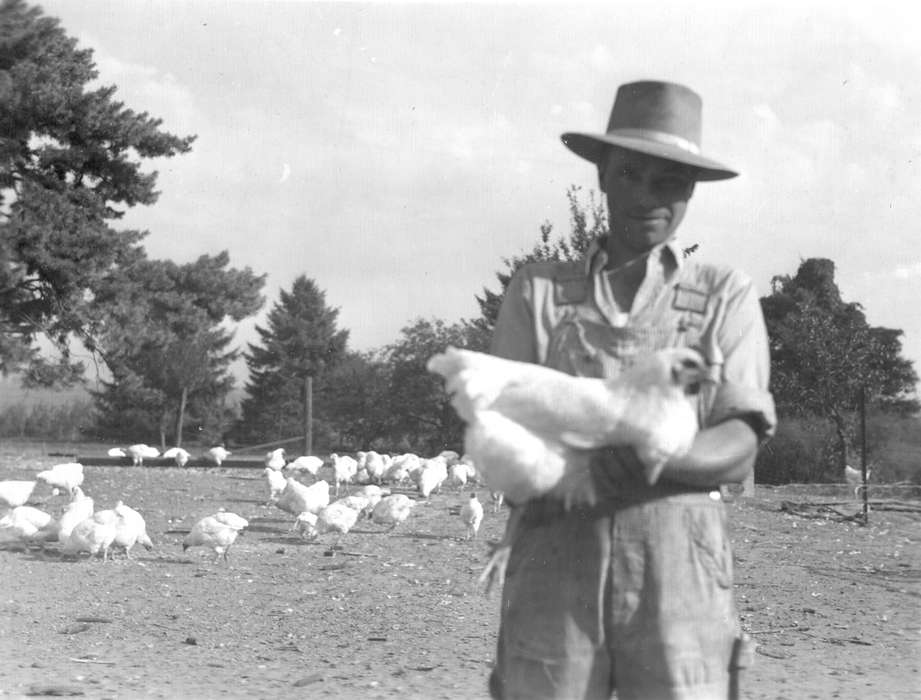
x,y
472,516
297,498
15,492
531,429
94,535
392,510
131,529
218,532
66,477
25,525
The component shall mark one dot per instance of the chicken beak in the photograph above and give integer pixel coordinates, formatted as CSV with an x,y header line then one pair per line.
x,y
688,374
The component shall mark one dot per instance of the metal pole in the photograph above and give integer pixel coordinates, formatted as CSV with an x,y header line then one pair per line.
x,y
863,455
308,415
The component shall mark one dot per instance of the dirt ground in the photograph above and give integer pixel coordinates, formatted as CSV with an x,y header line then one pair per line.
x,y
834,606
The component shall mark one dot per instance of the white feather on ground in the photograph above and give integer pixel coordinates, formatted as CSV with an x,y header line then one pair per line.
x,y
93,535
297,498
392,510
217,532
15,492
66,476
472,516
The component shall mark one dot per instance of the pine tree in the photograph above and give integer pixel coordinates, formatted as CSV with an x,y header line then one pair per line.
x,y
300,340
70,166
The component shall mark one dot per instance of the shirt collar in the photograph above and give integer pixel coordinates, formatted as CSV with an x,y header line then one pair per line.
x,y
669,253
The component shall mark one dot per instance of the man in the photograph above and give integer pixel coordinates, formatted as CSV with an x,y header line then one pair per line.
x,y
634,593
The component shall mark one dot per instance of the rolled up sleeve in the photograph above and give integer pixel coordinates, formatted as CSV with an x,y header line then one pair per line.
x,y
743,352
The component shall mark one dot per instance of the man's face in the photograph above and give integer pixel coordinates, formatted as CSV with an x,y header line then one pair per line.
x,y
647,196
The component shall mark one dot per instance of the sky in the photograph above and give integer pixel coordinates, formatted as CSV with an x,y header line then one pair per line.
x,y
395,153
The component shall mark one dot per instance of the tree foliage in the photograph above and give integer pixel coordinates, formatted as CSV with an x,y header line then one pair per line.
x,y
420,407
300,339
587,222
824,353
70,166
159,328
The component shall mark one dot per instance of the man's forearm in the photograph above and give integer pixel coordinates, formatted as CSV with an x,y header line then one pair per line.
x,y
722,454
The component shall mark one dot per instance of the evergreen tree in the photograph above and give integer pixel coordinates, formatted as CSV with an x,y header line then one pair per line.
x,y
300,340
70,166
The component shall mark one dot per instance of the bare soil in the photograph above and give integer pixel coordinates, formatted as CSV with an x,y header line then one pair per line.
x,y
833,604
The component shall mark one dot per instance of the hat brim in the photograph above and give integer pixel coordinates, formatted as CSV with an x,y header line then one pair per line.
x,y
592,147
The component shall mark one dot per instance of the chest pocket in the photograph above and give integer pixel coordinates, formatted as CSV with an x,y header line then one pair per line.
x,y
587,348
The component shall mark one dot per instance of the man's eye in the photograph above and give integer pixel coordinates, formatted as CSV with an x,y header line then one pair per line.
x,y
672,183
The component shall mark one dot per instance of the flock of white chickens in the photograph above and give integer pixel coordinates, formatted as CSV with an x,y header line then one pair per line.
x,y
360,489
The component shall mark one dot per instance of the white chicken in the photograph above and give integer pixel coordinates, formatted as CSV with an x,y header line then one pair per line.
x,y
434,473
344,469
472,515
179,455
460,473
854,477
94,535
79,509
297,498
337,517
360,504
15,492
306,463
375,464
392,510
373,493
130,530
402,466
217,532
139,452
498,498
530,427
277,484
67,476
25,525
217,454
276,459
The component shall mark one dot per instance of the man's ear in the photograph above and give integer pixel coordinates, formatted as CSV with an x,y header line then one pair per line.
x,y
601,165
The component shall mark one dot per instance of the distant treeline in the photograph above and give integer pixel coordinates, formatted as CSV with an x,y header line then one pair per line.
x,y
799,453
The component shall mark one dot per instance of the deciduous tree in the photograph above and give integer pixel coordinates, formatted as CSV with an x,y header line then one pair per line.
x,y
824,353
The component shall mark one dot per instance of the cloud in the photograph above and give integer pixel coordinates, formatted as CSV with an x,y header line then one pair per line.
x,y
146,89
905,272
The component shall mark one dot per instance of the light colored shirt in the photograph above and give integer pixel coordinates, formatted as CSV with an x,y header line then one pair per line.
x,y
564,315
